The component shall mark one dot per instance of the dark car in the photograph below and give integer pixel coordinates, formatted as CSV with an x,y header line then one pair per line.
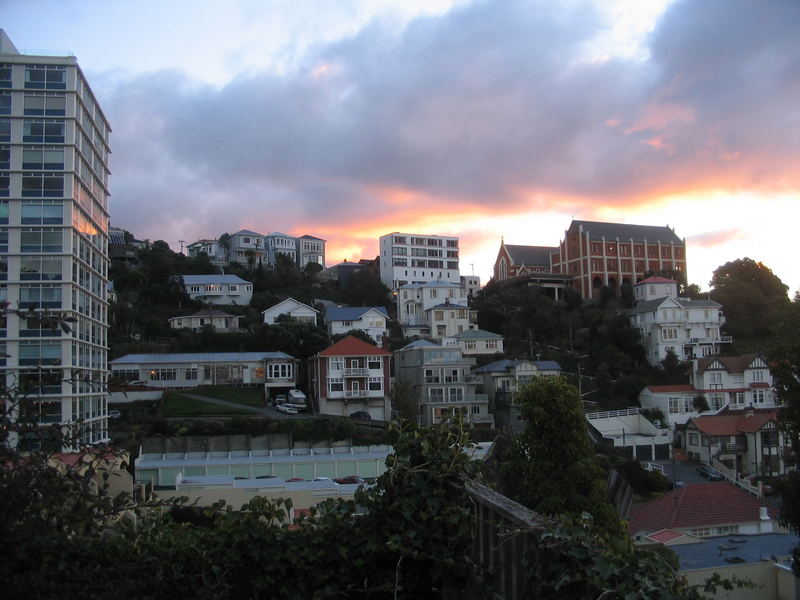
x,y
350,479
360,414
710,473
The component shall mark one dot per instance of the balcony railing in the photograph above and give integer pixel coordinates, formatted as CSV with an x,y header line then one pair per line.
x,y
357,372
470,399
356,393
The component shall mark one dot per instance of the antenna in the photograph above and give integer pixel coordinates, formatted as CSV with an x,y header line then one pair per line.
x,y
473,267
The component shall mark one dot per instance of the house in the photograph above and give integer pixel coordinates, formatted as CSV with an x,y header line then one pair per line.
x,y
279,243
503,378
216,253
676,402
613,254
473,342
749,442
471,283
703,510
448,319
189,370
218,320
416,258
738,381
351,376
415,302
515,261
309,249
247,247
689,328
299,312
219,290
371,319
442,385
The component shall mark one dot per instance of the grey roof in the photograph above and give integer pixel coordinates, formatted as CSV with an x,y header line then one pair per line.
x,y
507,365
197,357
637,233
448,305
477,334
653,305
270,482
212,279
310,237
351,313
529,255
443,284
279,234
248,232
420,344
752,548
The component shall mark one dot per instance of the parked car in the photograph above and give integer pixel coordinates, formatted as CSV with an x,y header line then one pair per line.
x,y
710,473
350,479
297,400
361,414
279,399
286,409
114,414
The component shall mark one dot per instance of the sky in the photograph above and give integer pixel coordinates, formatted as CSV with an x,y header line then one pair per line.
x,y
485,119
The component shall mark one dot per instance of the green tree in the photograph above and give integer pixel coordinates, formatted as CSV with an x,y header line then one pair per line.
x,y
552,468
750,294
366,289
404,401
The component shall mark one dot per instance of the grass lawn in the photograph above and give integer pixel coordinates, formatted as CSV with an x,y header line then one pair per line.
x,y
246,396
178,404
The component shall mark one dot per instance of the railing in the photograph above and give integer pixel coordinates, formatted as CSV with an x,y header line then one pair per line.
x,y
612,413
475,398
357,372
503,533
356,393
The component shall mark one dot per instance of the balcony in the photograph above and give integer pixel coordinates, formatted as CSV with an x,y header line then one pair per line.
x,y
469,399
356,393
357,372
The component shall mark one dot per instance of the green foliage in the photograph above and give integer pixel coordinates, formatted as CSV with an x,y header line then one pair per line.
x,y
366,289
404,400
551,468
357,333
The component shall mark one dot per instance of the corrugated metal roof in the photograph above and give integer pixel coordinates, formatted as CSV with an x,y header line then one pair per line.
x,y
211,279
352,313
198,357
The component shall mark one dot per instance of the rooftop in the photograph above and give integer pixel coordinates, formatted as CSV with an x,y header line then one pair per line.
x,y
715,552
734,423
626,233
198,357
353,346
352,313
212,279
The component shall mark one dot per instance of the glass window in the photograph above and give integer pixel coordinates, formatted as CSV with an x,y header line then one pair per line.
x,y
40,296
35,353
42,185
5,189
40,240
5,130
41,104
5,103
42,213
49,131
3,242
43,158
46,77
5,157
42,268
5,75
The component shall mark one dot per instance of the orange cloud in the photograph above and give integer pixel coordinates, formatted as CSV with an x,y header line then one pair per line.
x,y
712,239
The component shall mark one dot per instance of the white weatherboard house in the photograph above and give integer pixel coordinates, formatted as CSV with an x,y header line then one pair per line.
x,y
301,313
371,319
475,341
218,320
188,370
220,290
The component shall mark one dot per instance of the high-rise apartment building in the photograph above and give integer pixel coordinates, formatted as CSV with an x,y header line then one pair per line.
x,y
416,258
54,239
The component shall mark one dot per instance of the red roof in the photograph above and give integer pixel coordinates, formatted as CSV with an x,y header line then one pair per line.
x,y
671,388
734,423
698,505
666,535
352,346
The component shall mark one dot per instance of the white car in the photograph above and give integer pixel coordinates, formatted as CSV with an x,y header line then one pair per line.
x,y
286,409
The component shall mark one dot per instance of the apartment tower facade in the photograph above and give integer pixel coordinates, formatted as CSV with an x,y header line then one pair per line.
x,y
416,258
54,240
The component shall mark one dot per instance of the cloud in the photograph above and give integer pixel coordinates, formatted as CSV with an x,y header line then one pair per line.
x,y
491,106
711,239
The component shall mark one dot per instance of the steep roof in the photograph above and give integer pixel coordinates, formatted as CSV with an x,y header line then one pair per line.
x,y
448,304
310,237
210,313
477,334
352,346
248,232
625,233
733,423
290,301
529,255
352,313
419,344
697,505
732,364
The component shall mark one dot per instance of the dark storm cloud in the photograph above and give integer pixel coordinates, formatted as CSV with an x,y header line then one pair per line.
x,y
473,106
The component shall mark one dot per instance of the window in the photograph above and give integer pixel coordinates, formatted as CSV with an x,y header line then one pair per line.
x,y
455,395
5,75
669,333
163,374
42,185
5,103
191,375
126,375
5,130
279,370
45,104
336,363
40,296
693,439
49,131
475,409
375,384
46,77
5,188
758,396
43,158
39,240
436,395
42,213
3,242
758,375
36,353
374,363
336,384
5,157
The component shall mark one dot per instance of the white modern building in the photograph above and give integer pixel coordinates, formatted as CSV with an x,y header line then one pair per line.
x,y
689,328
219,290
54,150
416,258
